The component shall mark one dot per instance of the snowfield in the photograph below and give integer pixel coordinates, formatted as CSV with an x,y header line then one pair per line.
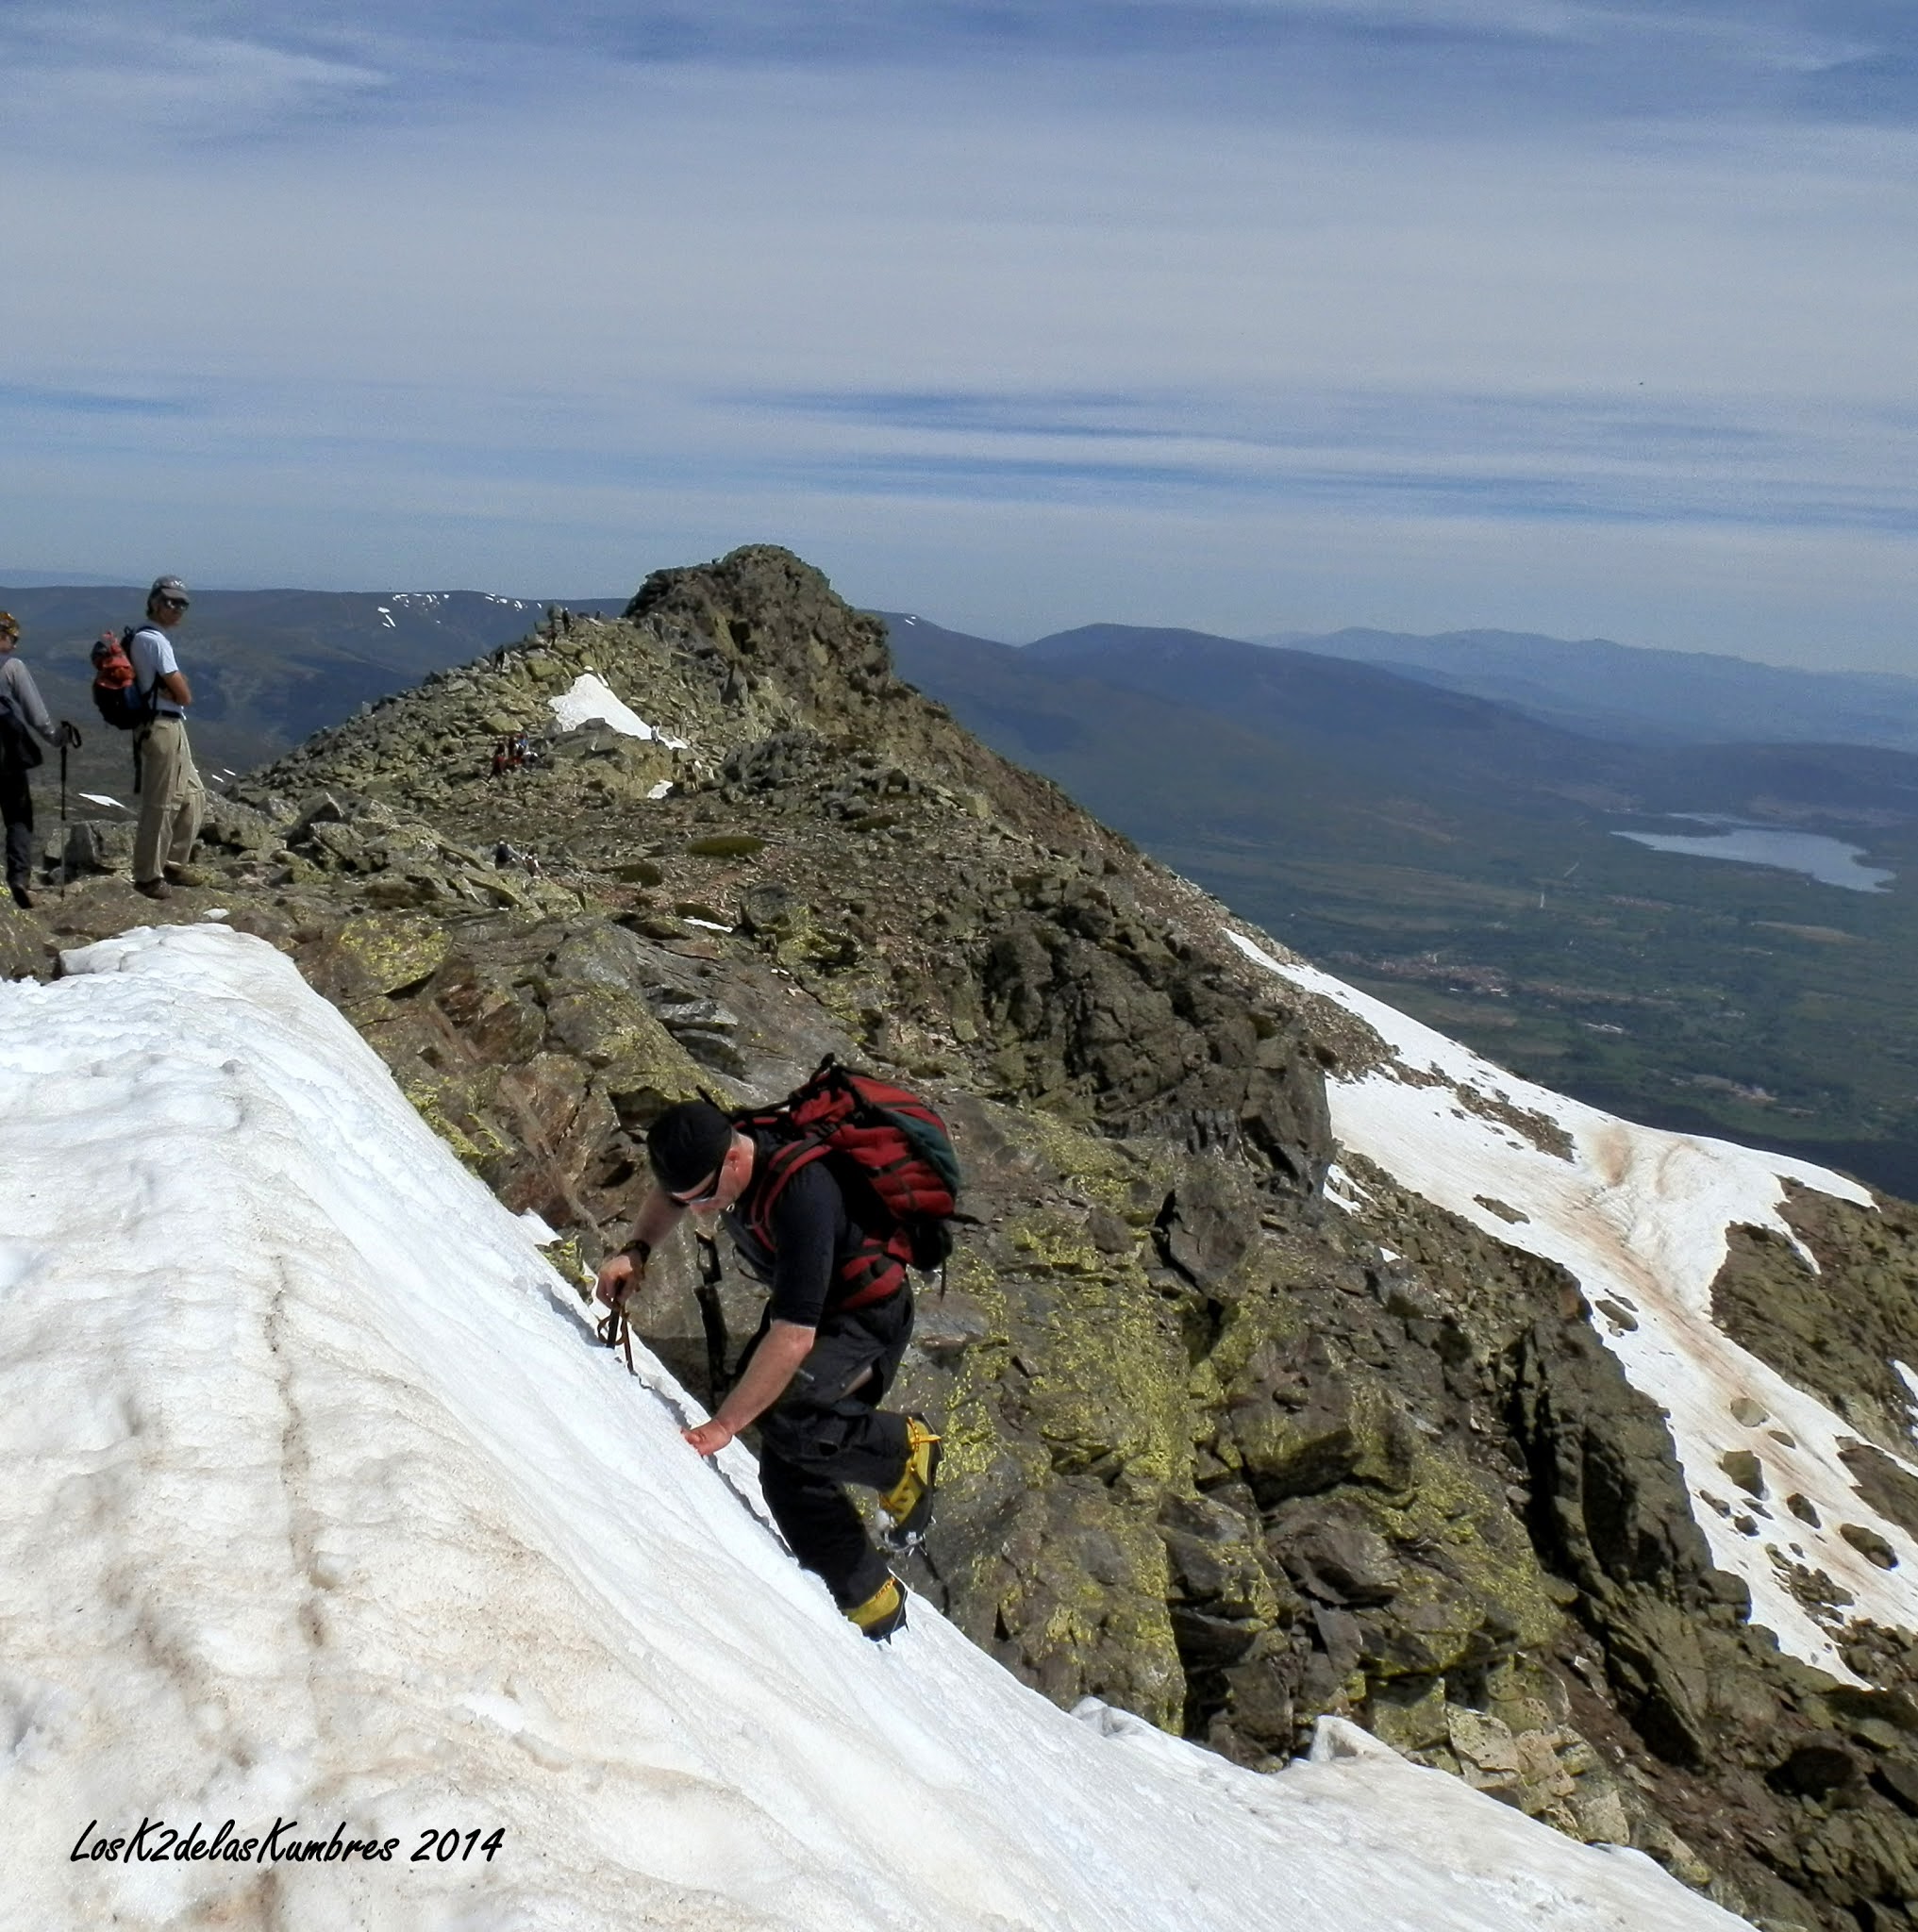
x,y
324,1511
1639,1217
590,700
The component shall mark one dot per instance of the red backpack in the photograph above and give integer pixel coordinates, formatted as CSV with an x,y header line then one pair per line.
x,y
116,695
893,1153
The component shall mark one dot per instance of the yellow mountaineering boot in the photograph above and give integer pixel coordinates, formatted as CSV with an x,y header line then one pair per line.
x,y
908,1502
883,1613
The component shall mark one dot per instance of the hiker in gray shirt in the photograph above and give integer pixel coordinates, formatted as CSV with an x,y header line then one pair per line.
x,y
22,714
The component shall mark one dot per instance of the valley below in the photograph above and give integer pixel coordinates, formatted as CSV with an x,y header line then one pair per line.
x,y
1464,862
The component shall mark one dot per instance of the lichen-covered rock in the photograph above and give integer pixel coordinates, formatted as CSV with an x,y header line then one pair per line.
x,y
373,958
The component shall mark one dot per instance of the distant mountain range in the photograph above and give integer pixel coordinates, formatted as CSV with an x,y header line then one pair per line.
x,y
1636,695
1358,739
1459,857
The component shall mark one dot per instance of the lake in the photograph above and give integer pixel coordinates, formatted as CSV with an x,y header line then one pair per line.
x,y
1829,862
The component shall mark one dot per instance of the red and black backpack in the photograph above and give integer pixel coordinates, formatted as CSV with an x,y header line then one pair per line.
x,y
116,689
888,1149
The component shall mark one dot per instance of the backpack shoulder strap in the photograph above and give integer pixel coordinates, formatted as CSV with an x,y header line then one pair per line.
x,y
782,1164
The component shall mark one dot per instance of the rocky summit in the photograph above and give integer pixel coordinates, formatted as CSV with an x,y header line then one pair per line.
x,y
1220,1451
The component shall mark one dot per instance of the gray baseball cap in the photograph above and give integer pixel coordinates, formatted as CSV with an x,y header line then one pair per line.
x,y
167,587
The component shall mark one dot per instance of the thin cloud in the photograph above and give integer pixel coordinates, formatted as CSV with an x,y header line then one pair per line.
x,y
137,70
198,69
1441,489
1882,87
22,399
1388,418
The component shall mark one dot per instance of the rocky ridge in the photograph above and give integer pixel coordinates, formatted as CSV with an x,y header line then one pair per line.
x,y
1220,1452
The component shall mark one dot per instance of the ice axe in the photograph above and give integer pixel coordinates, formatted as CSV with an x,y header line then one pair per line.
x,y
617,1332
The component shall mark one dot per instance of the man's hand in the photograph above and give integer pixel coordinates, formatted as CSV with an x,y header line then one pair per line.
x,y
709,1438
67,736
620,1275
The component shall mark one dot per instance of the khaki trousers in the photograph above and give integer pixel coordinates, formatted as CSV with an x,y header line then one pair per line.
x,y
172,800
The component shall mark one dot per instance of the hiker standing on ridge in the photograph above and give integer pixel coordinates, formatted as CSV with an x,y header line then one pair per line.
x,y
837,1321
171,799
20,712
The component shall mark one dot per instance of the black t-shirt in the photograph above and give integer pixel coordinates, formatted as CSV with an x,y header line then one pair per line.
x,y
812,1236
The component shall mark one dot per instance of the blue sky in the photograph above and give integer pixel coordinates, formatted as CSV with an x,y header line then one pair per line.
x,y
1281,314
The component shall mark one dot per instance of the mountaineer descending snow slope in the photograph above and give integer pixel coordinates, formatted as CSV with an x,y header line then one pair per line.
x,y
321,1507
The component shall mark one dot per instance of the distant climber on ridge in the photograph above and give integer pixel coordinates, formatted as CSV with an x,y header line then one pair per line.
x,y
810,1222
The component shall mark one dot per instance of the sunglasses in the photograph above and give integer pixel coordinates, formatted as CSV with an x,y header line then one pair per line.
x,y
704,1192
173,603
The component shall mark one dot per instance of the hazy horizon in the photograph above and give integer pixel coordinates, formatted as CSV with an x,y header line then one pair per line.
x,y
30,580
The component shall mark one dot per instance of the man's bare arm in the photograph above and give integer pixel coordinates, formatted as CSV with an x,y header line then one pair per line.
x,y
659,1215
767,1374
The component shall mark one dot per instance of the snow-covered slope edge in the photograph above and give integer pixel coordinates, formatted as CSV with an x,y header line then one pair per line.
x,y
1639,1217
321,1507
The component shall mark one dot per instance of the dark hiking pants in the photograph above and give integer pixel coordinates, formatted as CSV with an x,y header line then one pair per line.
x,y
16,809
823,1431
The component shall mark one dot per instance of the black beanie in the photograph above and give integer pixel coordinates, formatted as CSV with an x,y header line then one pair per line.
x,y
687,1144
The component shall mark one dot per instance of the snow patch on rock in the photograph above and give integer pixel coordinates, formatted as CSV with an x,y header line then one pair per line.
x,y
590,700
1639,1217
